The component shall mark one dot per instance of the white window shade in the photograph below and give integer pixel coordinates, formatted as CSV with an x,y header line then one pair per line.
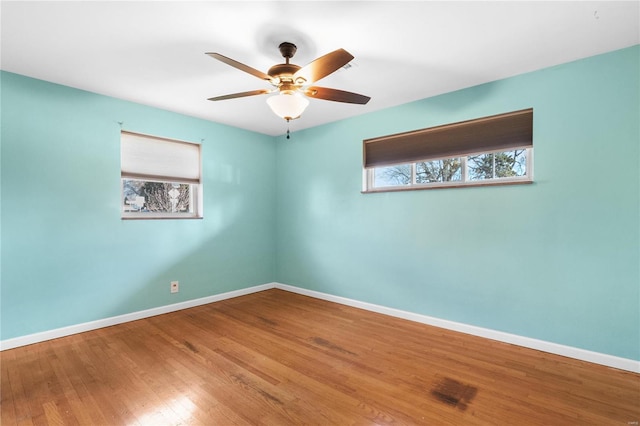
x,y
151,158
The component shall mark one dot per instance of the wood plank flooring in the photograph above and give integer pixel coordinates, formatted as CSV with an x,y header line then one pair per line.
x,y
278,358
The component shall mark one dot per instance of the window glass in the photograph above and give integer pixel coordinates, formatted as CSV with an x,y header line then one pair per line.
x,y
157,197
498,165
486,168
392,175
447,170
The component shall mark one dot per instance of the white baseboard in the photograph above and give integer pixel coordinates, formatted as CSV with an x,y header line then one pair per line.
x,y
527,342
107,322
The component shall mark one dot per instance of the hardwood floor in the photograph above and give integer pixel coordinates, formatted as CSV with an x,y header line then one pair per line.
x,y
279,358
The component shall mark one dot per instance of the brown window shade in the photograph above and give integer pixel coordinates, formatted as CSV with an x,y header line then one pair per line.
x,y
497,132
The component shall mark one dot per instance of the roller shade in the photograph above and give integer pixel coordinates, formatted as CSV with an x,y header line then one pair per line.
x,y
498,132
152,158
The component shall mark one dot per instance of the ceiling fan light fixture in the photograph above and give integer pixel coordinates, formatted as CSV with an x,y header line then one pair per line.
x,y
288,105
292,82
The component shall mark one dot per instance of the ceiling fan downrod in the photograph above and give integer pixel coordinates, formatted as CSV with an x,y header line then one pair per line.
x,y
287,50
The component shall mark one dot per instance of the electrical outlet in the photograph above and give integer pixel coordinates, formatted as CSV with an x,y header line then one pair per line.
x,y
175,286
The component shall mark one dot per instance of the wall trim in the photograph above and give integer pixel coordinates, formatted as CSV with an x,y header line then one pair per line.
x,y
133,316
514,339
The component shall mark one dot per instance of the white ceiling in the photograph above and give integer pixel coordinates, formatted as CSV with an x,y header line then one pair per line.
x,y
153,52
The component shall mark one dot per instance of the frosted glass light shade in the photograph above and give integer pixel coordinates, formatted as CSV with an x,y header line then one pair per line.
x,y
288,105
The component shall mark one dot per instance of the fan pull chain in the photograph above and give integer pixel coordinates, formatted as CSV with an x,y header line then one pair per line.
x,y
288,137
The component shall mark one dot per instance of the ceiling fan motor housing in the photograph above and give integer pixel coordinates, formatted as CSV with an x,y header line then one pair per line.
x,y
283,73
283,70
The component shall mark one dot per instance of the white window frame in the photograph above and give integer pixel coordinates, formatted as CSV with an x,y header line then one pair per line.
x,y
184,171
368,175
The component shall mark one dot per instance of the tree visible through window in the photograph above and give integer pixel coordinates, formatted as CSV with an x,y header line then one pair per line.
x,y
158,197
494,167
497,165
446,170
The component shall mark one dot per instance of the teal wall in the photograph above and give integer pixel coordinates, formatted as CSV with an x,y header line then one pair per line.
x,y
67,256
557,260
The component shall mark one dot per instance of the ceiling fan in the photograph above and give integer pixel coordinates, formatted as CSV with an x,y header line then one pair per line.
x,y
293,82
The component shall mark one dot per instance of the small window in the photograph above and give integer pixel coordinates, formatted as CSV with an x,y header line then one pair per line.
x,y
160,178
486,151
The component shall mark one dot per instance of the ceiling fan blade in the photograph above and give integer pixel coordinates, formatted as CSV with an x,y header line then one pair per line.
x,y
240,66
336,95
241,95
323,66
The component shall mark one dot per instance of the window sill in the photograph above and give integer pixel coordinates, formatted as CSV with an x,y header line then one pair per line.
x,y
160,217
446,185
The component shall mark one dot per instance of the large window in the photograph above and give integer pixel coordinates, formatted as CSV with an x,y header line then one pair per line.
x,y
482,169
161,178
486,151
